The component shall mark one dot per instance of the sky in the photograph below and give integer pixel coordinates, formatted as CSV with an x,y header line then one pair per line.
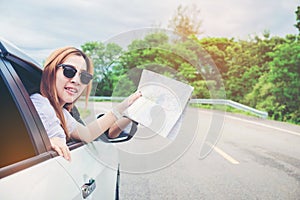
x,y
38,27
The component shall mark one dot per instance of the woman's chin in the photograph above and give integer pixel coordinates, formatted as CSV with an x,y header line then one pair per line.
x,y
69,100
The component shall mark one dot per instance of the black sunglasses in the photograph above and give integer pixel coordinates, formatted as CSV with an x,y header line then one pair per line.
x,y
70,71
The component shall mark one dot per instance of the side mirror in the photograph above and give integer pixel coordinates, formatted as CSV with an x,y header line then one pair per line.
x,y
125,135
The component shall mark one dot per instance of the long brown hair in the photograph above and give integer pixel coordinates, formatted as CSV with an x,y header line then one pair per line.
x,y
48,86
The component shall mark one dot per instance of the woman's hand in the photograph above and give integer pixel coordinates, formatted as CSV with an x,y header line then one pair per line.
x,y
119,109
132,98
94,129
60,146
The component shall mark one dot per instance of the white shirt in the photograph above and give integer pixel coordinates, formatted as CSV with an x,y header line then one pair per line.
x,y
49,119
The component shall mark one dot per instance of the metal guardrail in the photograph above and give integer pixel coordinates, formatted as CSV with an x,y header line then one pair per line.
x,y
105,98
233,104
226,102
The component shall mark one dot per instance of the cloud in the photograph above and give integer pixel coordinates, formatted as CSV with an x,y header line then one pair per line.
x,y
41,26
235,18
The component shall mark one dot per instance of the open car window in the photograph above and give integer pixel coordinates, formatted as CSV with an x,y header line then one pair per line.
x,y
16,144
31,78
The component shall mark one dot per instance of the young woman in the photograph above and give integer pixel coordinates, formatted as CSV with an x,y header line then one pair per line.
x,y
67,74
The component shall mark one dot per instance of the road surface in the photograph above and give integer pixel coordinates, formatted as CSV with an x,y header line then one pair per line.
x,y
253,159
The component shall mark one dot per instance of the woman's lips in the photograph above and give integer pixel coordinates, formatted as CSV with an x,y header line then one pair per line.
x,y
71,90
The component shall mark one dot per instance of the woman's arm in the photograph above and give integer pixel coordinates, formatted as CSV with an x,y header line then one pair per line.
x,y
109,120
115,130
94,129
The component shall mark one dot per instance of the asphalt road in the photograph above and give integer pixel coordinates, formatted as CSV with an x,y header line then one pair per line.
x,y
253,159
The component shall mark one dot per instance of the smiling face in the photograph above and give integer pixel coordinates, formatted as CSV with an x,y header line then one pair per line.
x,y
69,89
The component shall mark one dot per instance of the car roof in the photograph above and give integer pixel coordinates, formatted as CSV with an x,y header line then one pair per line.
x,y
28,69
9,50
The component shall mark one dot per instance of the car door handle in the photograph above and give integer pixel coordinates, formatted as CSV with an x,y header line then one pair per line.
x,y
88,188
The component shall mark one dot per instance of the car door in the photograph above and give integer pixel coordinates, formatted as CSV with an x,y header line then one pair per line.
x,y
42,173
28,170
95,177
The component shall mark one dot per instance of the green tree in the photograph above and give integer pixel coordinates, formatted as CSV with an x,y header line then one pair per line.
x,y
247,61
104,57
216,48
145,51
240,60
190,61
277,91
177,59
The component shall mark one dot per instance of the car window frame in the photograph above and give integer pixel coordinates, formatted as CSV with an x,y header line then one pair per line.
x,y
32,67
35,130
10,55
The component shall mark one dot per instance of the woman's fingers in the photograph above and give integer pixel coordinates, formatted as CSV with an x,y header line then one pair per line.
x,y
59,145
134,97
57,149
120,108
66,153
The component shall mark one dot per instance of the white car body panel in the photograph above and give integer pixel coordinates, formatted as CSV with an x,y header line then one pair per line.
x,y
58,178
47,180
38,173
85,165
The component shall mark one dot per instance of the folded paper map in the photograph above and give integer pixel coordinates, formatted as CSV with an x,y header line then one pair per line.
x,y
162,103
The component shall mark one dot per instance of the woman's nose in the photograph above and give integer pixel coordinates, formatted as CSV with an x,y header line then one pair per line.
x,y
76,79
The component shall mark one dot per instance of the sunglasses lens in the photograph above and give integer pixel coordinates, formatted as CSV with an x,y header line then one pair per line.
x,y
69,71
85,77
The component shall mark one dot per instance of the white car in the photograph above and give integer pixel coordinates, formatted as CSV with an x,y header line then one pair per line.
x,y
30,169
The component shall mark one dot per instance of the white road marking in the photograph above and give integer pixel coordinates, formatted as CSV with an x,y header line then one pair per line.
x,y
226,156
223,154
